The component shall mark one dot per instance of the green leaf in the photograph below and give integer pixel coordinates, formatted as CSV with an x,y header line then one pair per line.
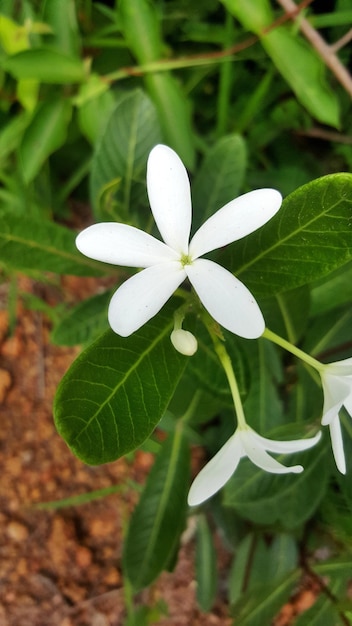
x,y
289,499
219,178
329,331
309,237
287,313
332,291
61,16
298,63
141,26
45,65
130,133
206,565
93,113
158,519
45,134
283,556
115,393
28,243
249,567
326,609
263,406
84,322
11,134
256,609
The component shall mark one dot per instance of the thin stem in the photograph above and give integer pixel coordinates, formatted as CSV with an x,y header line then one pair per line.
x,y
186,417
230,375
225,82
280,341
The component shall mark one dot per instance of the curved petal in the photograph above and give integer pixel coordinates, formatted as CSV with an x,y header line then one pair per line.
x,y
262,459
170,197
337,445
142,296
226,299
121,244
286,447
336,391
235,220
217,472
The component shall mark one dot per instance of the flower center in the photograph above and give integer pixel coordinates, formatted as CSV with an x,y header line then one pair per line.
x,y
185,260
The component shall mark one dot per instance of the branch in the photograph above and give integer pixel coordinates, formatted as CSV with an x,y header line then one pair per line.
x,y
325,51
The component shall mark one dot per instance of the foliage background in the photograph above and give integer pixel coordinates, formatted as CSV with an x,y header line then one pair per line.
x,y
87,89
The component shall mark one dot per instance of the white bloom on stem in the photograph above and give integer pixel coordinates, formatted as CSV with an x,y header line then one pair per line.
x,y
167,264
245,442
337,387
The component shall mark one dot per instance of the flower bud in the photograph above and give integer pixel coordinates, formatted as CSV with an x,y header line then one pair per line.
x,y
184,342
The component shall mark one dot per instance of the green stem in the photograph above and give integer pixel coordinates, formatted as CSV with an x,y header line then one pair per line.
x,y
268,334
230,375
186,417
225,82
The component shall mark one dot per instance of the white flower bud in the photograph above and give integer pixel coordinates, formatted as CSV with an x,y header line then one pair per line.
x,y
184,342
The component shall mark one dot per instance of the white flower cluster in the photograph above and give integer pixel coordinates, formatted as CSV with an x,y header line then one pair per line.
x,y
168,263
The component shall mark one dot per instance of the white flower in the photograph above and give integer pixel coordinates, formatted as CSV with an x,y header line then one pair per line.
x,y
167,264
337,386
244,442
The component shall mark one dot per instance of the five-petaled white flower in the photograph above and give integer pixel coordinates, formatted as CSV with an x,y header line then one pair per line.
x,y
167,264
244,442
337,386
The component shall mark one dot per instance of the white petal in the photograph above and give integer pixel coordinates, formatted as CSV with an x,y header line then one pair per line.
x,y
227,300
336,391
337,445
170,197
286,447
217,472
262,459
121,244
340,368
235,220
142,296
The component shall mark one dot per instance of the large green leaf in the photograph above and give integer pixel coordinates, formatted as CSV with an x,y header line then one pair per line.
x,y
158,519
310,236
115,393
45,65
45,134
121,155
28,243
219,178
141,26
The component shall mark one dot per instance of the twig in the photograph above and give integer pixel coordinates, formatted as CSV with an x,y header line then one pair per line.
x,y
203,58
340,43
325,51
326,135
